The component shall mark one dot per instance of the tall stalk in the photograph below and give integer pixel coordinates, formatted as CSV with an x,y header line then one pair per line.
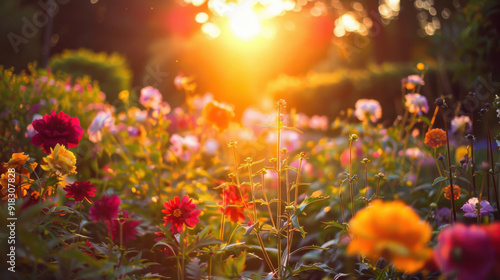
x,y
441,102
280,105
352,138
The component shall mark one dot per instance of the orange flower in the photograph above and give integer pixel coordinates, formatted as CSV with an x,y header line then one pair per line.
x,y
435,138
456,192
16,160
391,230
218,114
22,180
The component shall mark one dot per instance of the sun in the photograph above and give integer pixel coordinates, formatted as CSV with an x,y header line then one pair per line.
x,y
244,23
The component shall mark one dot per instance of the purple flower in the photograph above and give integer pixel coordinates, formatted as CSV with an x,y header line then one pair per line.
x,y
471,211
133,131
102,119
443,216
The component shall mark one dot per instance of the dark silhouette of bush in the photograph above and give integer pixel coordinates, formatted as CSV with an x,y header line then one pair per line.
x,y
111,71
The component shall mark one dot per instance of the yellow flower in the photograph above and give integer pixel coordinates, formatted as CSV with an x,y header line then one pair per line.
x,y
391,230
61,161
16,160
420,66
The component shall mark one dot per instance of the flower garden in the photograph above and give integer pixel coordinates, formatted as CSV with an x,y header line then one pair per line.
x,y
137,187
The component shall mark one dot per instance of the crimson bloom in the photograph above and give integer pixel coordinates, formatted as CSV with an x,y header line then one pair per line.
x,y
466,251
179,212
105,208
56,129
128,227
80,190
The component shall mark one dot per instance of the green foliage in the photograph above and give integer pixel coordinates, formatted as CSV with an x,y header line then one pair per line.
x,y
110,70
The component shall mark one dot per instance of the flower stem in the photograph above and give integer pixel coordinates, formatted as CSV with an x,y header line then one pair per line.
x,y
492,163
449,169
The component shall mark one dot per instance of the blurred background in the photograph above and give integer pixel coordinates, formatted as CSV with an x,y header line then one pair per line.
x,y
326,54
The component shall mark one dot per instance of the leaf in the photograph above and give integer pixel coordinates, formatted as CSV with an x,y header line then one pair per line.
x,y
250,229
312,247
320,267
194,269
439,180
334,224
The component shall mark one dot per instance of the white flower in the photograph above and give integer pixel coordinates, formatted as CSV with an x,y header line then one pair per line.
x,y
460,124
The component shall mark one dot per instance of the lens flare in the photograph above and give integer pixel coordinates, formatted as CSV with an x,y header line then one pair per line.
x,y
244,23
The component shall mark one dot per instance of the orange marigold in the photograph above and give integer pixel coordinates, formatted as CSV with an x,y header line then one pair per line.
x,y
456,192
218,114
391,230
435,138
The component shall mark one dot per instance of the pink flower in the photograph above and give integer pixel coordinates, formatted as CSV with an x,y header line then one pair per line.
x,y
368,109
416,103
466,251
412,81
319,122
460,124
150,98
183,147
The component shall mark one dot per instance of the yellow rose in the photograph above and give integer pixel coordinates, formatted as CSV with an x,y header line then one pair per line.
x,y
61,161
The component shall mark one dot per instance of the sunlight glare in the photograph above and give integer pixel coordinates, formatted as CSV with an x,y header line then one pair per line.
x,y
244,23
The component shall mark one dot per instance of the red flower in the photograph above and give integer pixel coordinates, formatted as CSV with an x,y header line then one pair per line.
x,y
179,212
105,208
80,190
128,228
465,250
231,196
493,232
57,129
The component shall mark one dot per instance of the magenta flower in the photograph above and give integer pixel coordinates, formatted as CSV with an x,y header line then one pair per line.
x,y
129,226
105,208
471,211
81,190
318,122
465,251
56,129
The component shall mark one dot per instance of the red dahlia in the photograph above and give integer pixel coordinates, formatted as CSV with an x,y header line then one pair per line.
x,y
105,208
179,212
128,228
56,129
80,190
